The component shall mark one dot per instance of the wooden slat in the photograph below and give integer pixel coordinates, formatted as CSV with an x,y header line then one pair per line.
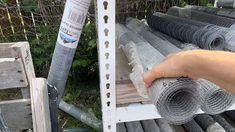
x,y
5,52
12,73
17,114
22,50
40,105
126,93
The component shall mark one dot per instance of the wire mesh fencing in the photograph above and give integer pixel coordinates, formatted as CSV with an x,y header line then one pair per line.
x,y
215,100
177,99
204,35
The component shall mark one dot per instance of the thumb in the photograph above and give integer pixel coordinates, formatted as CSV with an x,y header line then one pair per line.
x,y
152,75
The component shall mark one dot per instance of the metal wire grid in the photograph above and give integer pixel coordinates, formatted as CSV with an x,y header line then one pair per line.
x,y
201,16
215,100
177,99
206,36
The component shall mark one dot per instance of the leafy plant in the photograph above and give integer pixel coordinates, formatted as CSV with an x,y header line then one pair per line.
x,y
42,49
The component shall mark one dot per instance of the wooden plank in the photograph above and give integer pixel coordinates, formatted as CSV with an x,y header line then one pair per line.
x,y
5,52
40,105
126,93
12,73
22,50
17,114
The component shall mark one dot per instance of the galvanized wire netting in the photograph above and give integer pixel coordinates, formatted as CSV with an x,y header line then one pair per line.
x,y
227,23
215,99
177,99
206,36
201,16
142,8
229,13
208,123
226,3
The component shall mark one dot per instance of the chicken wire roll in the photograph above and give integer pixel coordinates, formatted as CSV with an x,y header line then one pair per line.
x,y
201,16
215,99
176,99
204,35
226,3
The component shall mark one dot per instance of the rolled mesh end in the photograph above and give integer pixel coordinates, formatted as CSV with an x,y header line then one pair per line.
x,y
178,102
217,102
210,37
218,43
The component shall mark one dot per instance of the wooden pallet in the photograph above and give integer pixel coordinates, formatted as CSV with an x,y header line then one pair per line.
x,y
17,72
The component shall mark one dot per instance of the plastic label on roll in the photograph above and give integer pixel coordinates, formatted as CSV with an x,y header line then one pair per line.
x,y
72,22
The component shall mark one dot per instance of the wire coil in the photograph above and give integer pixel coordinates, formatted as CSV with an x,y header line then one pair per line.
x,y
215,100
205,36
175,98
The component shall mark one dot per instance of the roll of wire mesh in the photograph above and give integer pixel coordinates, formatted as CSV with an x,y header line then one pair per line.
x,y
201,16
215,99
192,126
227,23
206,36
3,125
226,3
177,99
228,13
224,123
208,124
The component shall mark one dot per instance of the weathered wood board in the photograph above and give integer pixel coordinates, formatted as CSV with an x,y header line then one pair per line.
x,y
12,74
20,50
17,114
40,105
126,93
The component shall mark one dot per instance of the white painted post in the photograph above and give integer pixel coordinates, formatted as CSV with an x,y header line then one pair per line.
x,y
106,45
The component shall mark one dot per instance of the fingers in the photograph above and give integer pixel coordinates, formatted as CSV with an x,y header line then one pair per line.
x,y
170,67
152,75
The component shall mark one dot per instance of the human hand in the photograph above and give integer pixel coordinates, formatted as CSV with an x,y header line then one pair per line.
x,y
172,66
